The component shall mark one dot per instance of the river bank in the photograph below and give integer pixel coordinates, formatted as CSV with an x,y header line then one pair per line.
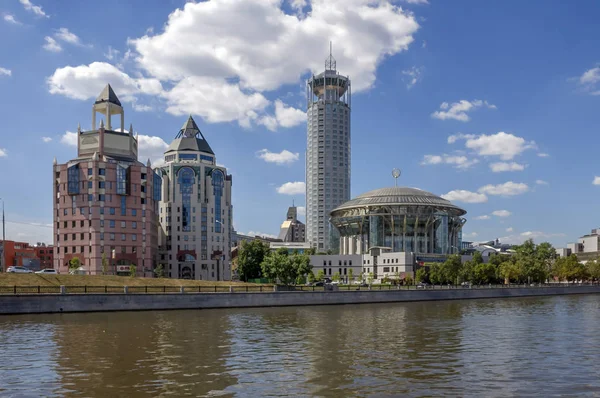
x,y
63,303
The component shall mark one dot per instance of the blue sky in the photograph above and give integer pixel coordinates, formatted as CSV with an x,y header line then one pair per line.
x,y
492,104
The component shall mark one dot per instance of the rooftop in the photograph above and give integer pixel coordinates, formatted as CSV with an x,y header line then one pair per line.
x,y
108,95
190,138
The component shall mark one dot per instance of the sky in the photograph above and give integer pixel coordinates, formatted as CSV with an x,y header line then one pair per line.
x,y
490,104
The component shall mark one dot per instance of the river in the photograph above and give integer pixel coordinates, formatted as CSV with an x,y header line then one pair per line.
x,y
546,346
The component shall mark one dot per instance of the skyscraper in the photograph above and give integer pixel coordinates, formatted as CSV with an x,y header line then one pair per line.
x,y
292,229
195,209
327,153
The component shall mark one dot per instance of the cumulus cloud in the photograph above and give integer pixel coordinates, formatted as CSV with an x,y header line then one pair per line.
x,y
458,110
292,188
505,166
504,145
51,45
5,72
46,139
68,37
69,138
541,182
3,153
10,19
461,195
417,1
507,189
301,211
509,229
458,161
543,155
589,80
287,116
37,10
501,213
151,147
414,75
283,157
484,217
535,235
111,53
596,180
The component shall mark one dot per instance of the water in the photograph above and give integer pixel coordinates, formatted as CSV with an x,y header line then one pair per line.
x,y
514,347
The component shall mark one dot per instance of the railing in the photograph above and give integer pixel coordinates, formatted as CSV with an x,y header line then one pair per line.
x,y
12,290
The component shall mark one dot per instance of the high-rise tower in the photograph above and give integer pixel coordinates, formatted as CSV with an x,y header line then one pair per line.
x,y
327,153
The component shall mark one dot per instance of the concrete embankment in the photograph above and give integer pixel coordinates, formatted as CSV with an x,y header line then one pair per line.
x,y
57,303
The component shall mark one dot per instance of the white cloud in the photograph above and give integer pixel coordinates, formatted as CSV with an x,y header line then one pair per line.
x,y
292,188
541,182
262,234
37,10
283,157
509,229
68,37
111,53
3,153
69,138
458,110
501,213
504,145
589,80
507,189
51,45
266,48
414,75
287,116
543,155
46,139
484,217
535,235
505,166
11,19
470,235
596,180
5,72
461,195
460,162
151,147
301,211
417,1
85,82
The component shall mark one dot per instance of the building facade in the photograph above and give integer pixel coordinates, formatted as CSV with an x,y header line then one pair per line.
x,y
45,255
105,200
327,153
292,230
195,212
20,254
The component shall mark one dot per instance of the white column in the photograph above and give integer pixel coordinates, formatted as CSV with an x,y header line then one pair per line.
x,y
123,122
108,122
93,118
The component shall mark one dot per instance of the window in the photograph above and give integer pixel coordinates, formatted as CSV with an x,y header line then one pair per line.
x,y
134,237
66,237
112,211
102,210
102,172
101,184
102,223
121,180
101,235
143,176
133,212
123,237
133,224
90,172
111,223
144,213
123,205
90,183
82,211
81,236
123,224
101,197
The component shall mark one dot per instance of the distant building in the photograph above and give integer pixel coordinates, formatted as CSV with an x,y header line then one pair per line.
x,y
586,248
195,210
20,254
105,200
299,247
292,230
45,255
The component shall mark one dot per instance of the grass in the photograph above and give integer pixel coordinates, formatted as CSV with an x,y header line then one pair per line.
x,y
10,279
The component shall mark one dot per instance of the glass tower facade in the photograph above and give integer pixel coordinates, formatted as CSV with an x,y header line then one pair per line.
x,y
327,154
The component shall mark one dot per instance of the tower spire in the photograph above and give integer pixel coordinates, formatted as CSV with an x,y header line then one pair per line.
x,y
330,63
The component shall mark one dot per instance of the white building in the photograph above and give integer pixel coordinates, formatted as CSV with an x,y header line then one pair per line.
x,y
195,213
327,153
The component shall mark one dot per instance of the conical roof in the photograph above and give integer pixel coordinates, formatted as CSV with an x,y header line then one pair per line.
x,y
108,95
190,138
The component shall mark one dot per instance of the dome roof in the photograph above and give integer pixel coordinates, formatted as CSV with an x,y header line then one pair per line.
x,y
398,196
190,138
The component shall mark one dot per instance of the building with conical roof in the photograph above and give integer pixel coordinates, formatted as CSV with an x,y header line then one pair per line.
x,y
195,213
105,200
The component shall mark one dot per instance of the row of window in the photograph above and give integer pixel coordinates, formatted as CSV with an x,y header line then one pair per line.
x,y
111,236
346,262
111,210
81,249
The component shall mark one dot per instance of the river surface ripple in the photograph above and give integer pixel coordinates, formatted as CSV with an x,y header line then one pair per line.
x,y
481,348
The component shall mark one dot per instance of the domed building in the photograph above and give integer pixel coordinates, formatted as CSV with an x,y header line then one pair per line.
x,y
399,219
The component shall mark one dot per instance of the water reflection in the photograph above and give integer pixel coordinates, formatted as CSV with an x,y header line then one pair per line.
x,y
517,347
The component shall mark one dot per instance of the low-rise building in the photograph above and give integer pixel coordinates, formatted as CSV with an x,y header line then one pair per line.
x,y
20,254
45,255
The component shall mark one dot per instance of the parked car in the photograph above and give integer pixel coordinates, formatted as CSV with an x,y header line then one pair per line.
x,y
466,284
48,271
319,283
422,285
19,270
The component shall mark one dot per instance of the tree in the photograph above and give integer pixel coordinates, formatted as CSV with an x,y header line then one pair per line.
x,y
311,251
569,269
408,280
74,264
285,267
511,271
436,273
593,269
132,270
104,264
350,275
250,258
370,278
452,267
159,271
336,277
311,277
320,275
484,273
421,275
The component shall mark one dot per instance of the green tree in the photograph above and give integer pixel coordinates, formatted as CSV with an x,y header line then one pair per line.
x,y
511,271
370,278
159,271
250,257
336,277
104,264
132,270
569,269
467,271
74,264
452,268
285,267
320,275
436,273
408,280
311,251
311,277
484,273
421,275
593,269
350,276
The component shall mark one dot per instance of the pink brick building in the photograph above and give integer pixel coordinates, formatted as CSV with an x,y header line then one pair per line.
x,y
105,200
